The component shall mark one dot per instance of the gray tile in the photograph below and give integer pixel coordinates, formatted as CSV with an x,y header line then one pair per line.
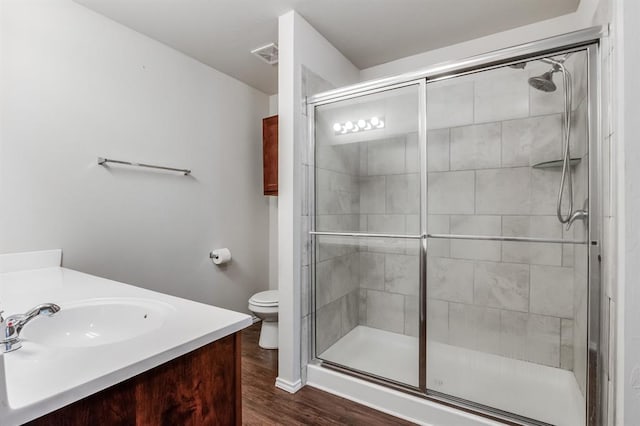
x,y
566,344
437,150
390,223
412,228
450,279
475,147
437,320
385,311
401,274
336,193
501,94
530,337
502,285
580,354
329,247
364,159
336,277
350,311
386,224
323,283
403,194
339,158
543,103
474,327
543,340
544,191
337,222
577,65
362,311
579,130
531,140
411,316
372,194
552,291
372,270
449,104
451,192
513,334
438,224
386,157
567,255
533,253
475,225
412,161
503,191
328,325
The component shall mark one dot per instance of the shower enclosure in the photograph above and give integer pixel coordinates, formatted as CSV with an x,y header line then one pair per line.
x,y
456,231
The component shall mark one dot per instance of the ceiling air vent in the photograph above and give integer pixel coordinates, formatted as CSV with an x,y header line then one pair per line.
x,y
268,53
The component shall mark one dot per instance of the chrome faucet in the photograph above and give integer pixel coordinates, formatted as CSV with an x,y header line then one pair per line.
x,y
11,327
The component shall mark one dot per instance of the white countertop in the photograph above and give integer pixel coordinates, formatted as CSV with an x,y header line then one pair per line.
x,y
41,379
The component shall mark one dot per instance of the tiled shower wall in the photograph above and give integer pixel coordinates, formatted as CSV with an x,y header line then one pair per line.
x,y
521,300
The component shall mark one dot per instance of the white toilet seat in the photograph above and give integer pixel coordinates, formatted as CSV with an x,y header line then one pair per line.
x,y
267,298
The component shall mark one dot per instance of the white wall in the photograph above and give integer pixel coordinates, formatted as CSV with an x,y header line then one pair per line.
x,y
589,13
76,86
300,44
273,218
627,92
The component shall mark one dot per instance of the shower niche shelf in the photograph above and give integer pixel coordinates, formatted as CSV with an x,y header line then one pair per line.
x,y
556,164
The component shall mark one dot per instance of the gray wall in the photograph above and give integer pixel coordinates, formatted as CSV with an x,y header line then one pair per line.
x,y
76,86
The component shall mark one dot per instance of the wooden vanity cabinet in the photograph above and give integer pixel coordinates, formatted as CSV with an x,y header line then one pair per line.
x,y
199,388
270,154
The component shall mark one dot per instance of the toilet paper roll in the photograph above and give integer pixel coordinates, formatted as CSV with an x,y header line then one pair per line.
x,y
220,256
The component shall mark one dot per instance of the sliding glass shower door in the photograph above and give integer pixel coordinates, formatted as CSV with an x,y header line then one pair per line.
x,y
367,224
454,227
506,279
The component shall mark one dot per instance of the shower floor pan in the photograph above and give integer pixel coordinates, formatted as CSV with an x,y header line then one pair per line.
x,y
531,390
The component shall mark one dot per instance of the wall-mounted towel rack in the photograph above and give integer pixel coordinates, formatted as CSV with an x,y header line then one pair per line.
x,y
102,161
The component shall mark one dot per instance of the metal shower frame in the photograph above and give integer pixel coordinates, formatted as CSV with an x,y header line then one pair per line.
x,y
588,40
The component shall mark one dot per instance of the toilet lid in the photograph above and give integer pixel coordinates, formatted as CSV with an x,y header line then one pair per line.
x,y
265,298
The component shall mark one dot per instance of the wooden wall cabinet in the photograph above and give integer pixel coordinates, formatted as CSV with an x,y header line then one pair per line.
x,y
200,388
270,154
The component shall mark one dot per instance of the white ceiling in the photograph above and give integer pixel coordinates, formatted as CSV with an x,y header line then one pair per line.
x,y
220,33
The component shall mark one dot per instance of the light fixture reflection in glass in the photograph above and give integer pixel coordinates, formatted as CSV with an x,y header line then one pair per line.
x,y
373,123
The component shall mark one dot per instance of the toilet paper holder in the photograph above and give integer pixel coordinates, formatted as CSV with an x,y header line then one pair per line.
x,y
220,256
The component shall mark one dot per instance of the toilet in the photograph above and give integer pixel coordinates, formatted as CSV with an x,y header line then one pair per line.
x,y
265,306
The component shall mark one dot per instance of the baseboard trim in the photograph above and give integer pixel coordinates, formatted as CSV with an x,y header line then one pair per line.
x,y
291,387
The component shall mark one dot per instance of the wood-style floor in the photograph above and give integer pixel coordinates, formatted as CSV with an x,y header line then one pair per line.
x,y
264,404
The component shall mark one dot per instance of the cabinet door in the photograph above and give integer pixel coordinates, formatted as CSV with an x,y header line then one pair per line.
x,y
270,154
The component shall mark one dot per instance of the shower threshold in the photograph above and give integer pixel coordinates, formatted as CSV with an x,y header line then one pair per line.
x,y
536,391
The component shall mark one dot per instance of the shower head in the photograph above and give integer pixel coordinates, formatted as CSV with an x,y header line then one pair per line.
x,y
543,82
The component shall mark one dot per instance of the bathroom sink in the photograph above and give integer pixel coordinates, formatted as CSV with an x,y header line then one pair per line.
x,y
97,322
